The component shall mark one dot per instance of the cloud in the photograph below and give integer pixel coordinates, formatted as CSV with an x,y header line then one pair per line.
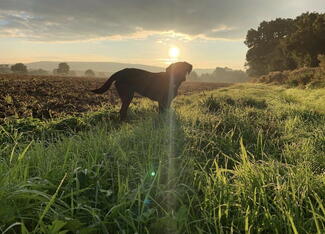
x,y
84,20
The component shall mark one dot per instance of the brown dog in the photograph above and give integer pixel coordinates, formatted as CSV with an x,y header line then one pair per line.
x,y
161,87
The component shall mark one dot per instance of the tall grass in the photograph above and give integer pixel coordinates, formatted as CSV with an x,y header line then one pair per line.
x,y
249,158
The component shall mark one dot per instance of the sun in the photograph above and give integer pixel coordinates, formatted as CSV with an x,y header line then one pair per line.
x,y
173,52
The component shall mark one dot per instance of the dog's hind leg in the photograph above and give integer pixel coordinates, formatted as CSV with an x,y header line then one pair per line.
x,y
126,96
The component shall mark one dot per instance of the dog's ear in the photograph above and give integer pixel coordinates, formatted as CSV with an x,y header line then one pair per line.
x,y
170,68
189,67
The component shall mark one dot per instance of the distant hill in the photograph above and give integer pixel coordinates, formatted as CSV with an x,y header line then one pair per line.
x,y
108,67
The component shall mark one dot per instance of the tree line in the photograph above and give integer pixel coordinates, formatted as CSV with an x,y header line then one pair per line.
x,y
62,69
286,44
220,74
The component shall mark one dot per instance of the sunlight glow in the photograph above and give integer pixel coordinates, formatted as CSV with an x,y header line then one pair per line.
x,y
173,52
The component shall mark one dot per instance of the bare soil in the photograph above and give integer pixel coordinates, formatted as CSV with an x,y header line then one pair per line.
x,y
54,96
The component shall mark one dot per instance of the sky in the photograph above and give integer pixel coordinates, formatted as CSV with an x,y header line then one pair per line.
x,y
208,33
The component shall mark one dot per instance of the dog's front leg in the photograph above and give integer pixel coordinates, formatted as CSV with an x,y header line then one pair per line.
x,y
164,104
162,107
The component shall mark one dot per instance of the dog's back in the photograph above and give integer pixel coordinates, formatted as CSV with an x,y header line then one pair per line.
x,y
146,83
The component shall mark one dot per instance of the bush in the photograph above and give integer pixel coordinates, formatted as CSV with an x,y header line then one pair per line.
x,y
306,77
274,77
301,77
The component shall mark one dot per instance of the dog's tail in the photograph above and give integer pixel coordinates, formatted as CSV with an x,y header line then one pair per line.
x,y
106,85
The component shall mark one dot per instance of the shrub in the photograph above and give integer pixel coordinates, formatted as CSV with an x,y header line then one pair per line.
x,y
301,77
306,77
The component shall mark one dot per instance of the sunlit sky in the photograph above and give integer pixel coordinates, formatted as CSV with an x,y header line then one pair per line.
x,y
208,33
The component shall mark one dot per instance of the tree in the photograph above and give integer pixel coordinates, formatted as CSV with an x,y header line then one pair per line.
x,y
4,69
90,73
19,68
220,74
63,69
193,76
266,52
228,75
308,40
285,44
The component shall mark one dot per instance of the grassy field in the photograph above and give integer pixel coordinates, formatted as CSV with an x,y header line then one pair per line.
x,y
242,159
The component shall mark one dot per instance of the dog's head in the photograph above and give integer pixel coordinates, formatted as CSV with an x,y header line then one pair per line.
x,y
179,70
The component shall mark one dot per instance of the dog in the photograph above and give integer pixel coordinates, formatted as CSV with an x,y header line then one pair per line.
x,y
161,87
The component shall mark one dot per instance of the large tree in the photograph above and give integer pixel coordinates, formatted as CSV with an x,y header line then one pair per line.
x,y
285,44
308,40
63,69
265,50
19,68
